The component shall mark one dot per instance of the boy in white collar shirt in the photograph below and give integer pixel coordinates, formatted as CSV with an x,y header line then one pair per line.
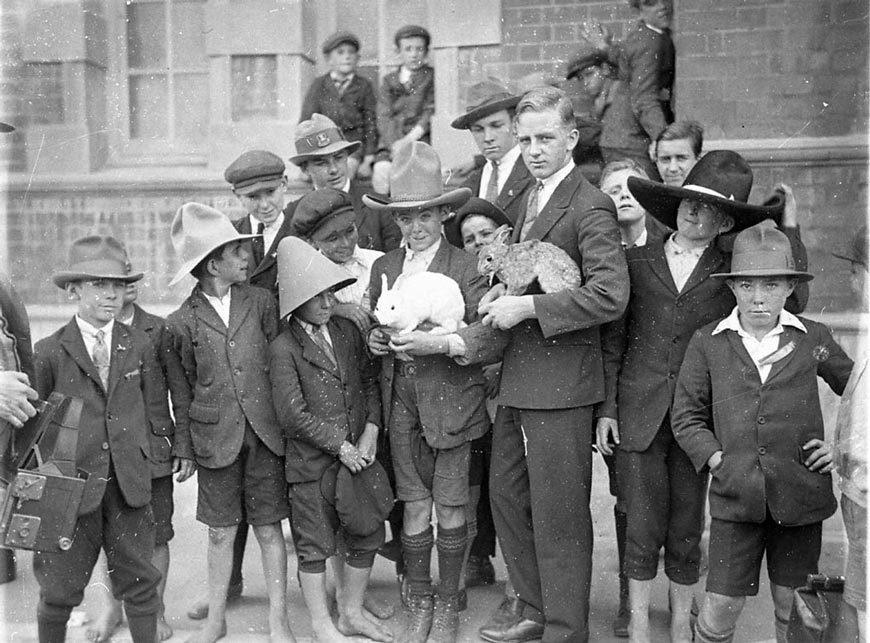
x,y
747,410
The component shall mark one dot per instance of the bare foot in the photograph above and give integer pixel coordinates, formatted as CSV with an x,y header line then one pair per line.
x,y
210,633
353,624
279,630
164,631
323,631
105,624
378,608
638,628
680,631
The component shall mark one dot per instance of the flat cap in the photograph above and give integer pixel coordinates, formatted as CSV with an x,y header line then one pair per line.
x,y
412,31
339,38
255,170
586,56
316,208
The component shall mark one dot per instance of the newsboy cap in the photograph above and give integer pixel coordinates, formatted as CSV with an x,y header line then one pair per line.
x,y
316,208
255,170
339,38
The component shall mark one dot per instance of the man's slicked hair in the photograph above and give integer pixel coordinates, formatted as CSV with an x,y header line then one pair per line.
x,y
543,99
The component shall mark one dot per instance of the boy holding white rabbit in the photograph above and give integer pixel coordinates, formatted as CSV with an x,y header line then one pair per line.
x,y
433,407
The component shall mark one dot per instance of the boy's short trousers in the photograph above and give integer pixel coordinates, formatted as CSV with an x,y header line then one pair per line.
x,y
736,549
314,523
412,455
163,507
855,519
256,478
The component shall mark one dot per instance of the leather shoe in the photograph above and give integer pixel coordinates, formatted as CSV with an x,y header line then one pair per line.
x,y
199,611
479,571
510,609
516,631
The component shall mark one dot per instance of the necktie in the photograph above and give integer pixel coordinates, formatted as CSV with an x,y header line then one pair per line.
x,y
492,186
258,245
324,345
531,210
341,85
101,358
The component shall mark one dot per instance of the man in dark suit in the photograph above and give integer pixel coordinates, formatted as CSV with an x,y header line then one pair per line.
x,y
322,153
504,178
551,377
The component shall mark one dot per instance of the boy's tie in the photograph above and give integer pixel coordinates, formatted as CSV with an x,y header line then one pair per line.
x,y
101,358
258,244
323,343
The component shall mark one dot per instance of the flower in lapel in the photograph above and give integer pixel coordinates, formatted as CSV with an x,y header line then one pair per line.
x,y
821,353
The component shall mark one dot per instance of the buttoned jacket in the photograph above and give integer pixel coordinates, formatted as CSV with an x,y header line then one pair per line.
x,y
721,404
321,404
450,397
402,106
115,423
354,110
219,376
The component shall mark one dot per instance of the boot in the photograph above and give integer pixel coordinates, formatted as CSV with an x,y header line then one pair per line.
x,y
445,620
418,618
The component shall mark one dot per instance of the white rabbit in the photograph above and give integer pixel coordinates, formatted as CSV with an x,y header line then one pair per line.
x,y
418,298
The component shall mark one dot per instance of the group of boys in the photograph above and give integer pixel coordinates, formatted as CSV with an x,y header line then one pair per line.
x,y
681,351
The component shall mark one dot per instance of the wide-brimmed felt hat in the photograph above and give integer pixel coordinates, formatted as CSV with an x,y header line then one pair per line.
x,y
304,273
255,170
587,56
722,178
415,182
484,98
95,257
412,31
316,208
857,250
762,251
319,136
338,38
196,230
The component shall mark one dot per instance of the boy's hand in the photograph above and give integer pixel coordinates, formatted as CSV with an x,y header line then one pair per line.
x,y
821,460
379,342
714,461
368,444
607,435
419,343
184,467
351,457
361,318
15,396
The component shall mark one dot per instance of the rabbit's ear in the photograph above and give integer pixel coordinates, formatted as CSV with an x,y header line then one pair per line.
x,y
502,234
384,284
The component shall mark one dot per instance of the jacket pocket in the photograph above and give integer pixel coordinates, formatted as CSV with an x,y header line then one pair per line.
x,y
161,442
205,413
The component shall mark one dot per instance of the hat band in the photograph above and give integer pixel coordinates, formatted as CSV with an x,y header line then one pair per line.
x,y
315,142
708,191
257,179
762,260
415,197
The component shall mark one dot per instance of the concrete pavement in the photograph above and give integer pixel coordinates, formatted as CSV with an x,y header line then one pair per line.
x,y
247,619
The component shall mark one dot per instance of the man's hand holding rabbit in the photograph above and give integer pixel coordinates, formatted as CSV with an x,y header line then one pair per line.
x,y
507,311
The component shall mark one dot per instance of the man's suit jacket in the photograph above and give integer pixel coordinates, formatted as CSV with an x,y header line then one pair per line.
x,y
644,351
115,424
320,404
555,361
377,229
354,110
219,376
450,397
721,404
162,431
511,198
263,274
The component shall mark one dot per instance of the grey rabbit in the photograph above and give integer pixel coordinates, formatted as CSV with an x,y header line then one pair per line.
x,y
518,265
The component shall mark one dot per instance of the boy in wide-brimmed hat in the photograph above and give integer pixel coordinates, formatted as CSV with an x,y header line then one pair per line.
x,y
671,288
222,399
433,407
746,410
322,154
110,367
326,393
347,98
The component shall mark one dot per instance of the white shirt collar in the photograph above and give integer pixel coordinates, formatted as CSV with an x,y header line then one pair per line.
x,y
336,79
732,322
90,330
428,254
507,162
275,225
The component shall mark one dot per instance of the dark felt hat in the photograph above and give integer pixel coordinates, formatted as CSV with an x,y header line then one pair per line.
x,y
316,208
255,170
339,38
762,251
362,500
587,56
415,182
96,257
5,128
722,178
857,250
319,136
485,98
412,31
474,206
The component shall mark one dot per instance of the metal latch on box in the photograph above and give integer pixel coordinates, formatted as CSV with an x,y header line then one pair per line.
x,y
28,486
23,531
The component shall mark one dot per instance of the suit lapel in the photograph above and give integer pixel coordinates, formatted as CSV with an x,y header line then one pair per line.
x,y
789,334
711,261
206,313
738,347
240,308
271,254
72,342
121,348
556,206
658,263
311,352
518,180
441,258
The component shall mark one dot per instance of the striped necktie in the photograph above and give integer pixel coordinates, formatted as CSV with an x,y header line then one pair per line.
x,y
101,358
531,210
324,345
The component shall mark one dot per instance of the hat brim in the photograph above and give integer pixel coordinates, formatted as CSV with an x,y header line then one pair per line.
x,y
190,264
468,118
796,274
62,278
454,197
662,201
266,184
332,148
5,128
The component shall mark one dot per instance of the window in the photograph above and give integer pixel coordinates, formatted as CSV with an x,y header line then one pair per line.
x,y
166,103
254,87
